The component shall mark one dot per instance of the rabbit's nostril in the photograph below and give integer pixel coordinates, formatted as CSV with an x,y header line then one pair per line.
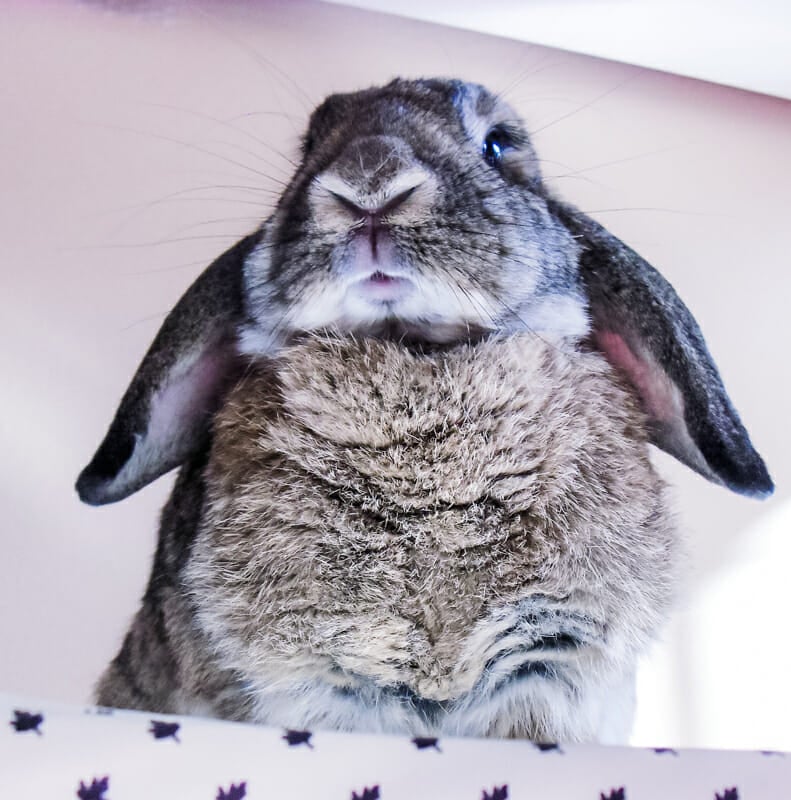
x,y
398,200
349,205
374,211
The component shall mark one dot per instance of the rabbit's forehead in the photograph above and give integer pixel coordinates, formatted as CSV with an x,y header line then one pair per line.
x,y
394,108
409,109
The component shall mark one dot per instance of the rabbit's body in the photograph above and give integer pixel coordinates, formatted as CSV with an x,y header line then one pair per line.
x,y
444,519
470,540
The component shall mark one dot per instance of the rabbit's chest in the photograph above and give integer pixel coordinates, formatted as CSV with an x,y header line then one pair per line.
x,y
374,517
339,571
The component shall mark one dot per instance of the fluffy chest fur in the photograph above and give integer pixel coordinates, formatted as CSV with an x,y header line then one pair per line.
x,y
430,531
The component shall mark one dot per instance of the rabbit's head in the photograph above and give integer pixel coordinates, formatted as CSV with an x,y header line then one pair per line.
x,y
418,212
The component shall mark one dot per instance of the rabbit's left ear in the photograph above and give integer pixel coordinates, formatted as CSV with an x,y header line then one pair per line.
x,y
165,414
646,331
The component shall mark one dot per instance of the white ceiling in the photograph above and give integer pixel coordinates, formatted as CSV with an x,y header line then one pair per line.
x,y
742,43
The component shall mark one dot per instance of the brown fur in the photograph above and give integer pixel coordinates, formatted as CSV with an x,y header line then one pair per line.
x,y
371,510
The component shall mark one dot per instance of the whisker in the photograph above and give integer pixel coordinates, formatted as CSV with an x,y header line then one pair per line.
x,y
180,195
249,114
159,316
171,268
683,212
290,83
227,124
216,221
586,105
286,173
530,72
156,243
191,146
626,160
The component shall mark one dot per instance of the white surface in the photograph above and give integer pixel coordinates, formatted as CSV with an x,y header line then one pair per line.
x,y
76,745
127,168
742,43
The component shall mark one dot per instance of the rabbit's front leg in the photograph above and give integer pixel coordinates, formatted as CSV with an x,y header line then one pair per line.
x,y
547,672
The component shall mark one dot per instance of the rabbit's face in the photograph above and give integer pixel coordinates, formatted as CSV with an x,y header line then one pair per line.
x,y
418,210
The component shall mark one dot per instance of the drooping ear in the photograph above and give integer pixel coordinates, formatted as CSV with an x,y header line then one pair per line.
x,y
163,417
646,331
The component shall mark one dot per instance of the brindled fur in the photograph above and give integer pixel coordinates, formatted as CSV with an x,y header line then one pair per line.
x,y
467,540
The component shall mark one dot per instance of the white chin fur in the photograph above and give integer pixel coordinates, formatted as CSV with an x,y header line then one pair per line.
x,y
563,316
435,310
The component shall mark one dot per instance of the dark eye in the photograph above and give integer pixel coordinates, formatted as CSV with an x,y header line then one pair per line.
x,y
497,141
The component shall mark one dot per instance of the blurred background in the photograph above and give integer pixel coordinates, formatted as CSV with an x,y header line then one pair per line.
x,y
140,139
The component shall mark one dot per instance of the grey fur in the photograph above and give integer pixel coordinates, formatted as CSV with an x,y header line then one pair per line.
x,y
300,579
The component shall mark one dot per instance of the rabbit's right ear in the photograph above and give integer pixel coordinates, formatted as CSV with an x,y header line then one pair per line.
x,y
644,329
164,415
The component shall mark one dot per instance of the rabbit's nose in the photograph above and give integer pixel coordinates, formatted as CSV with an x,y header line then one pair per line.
x,y
371,218
377,207
340,204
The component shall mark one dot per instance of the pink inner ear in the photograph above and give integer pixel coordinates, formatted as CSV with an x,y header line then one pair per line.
x,y
180,408
661,399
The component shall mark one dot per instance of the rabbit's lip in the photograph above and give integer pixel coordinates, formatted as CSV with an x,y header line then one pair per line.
x,y
380,286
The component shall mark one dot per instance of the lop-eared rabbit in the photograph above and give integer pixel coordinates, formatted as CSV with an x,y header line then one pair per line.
x,y
411,413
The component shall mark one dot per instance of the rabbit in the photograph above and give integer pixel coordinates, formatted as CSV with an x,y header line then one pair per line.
x,y
411,413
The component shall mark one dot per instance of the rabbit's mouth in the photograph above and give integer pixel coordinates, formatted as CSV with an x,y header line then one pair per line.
x,y
382,287
376,276
387,296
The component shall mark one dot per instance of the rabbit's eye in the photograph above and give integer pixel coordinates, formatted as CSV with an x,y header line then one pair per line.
x,y
497,141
